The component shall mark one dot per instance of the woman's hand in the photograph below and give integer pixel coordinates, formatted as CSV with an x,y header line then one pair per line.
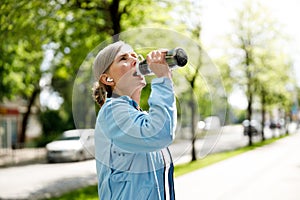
x,y
158,65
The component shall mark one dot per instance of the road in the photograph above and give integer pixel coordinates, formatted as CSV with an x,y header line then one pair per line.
x,y
44,180
271,172
228,138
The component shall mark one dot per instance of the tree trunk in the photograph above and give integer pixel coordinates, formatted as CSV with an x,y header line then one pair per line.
x,y
193,122
116,18
22,137
193,118
249,111
249,92
263,114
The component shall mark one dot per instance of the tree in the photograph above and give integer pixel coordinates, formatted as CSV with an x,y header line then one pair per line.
x,y
21,54
96,22
204,92
271,82
66,29
191,74
255,32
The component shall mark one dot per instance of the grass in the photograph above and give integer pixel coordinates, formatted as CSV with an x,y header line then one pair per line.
x,y
86,193
90,192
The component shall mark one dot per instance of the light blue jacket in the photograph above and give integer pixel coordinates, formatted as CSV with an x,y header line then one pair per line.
x,y
132,159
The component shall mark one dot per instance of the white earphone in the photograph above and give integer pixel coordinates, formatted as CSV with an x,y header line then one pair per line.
x,y
108,79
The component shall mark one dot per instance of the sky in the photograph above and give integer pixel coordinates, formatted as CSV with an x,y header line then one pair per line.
x,y
215,25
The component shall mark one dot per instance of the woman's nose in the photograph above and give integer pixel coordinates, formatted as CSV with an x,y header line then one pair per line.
x,y
133,61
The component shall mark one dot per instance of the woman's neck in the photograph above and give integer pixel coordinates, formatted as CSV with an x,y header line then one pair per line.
x,y
136,96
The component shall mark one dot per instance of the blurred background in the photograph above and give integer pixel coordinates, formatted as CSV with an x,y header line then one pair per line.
x,y
240,86
254,46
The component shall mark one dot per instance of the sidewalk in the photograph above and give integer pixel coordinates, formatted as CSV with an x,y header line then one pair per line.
x,y
271,172
10,157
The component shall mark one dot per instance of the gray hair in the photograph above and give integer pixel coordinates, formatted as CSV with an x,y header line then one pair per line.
x,y
106,57
101,64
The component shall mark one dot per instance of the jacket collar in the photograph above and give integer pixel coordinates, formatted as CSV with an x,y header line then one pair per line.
x,y
131,101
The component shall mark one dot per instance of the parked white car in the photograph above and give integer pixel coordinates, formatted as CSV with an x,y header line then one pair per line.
x,y
74,145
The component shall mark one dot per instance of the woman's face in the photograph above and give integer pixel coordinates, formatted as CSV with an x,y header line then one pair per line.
x,y
123,62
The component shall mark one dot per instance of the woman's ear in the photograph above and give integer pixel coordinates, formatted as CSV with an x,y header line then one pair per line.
x,y
106,80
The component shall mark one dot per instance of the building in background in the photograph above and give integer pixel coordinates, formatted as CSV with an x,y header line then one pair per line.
x,y
11,116
10,120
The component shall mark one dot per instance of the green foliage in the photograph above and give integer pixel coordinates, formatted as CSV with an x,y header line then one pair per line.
x,y
259,66
145,95
240,116
83,27
21,52
54,122
87,193
68,30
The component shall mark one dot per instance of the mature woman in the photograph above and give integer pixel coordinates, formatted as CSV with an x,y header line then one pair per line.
x,y
132,158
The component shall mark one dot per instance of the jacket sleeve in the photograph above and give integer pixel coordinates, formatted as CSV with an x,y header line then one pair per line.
x,y
136,131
